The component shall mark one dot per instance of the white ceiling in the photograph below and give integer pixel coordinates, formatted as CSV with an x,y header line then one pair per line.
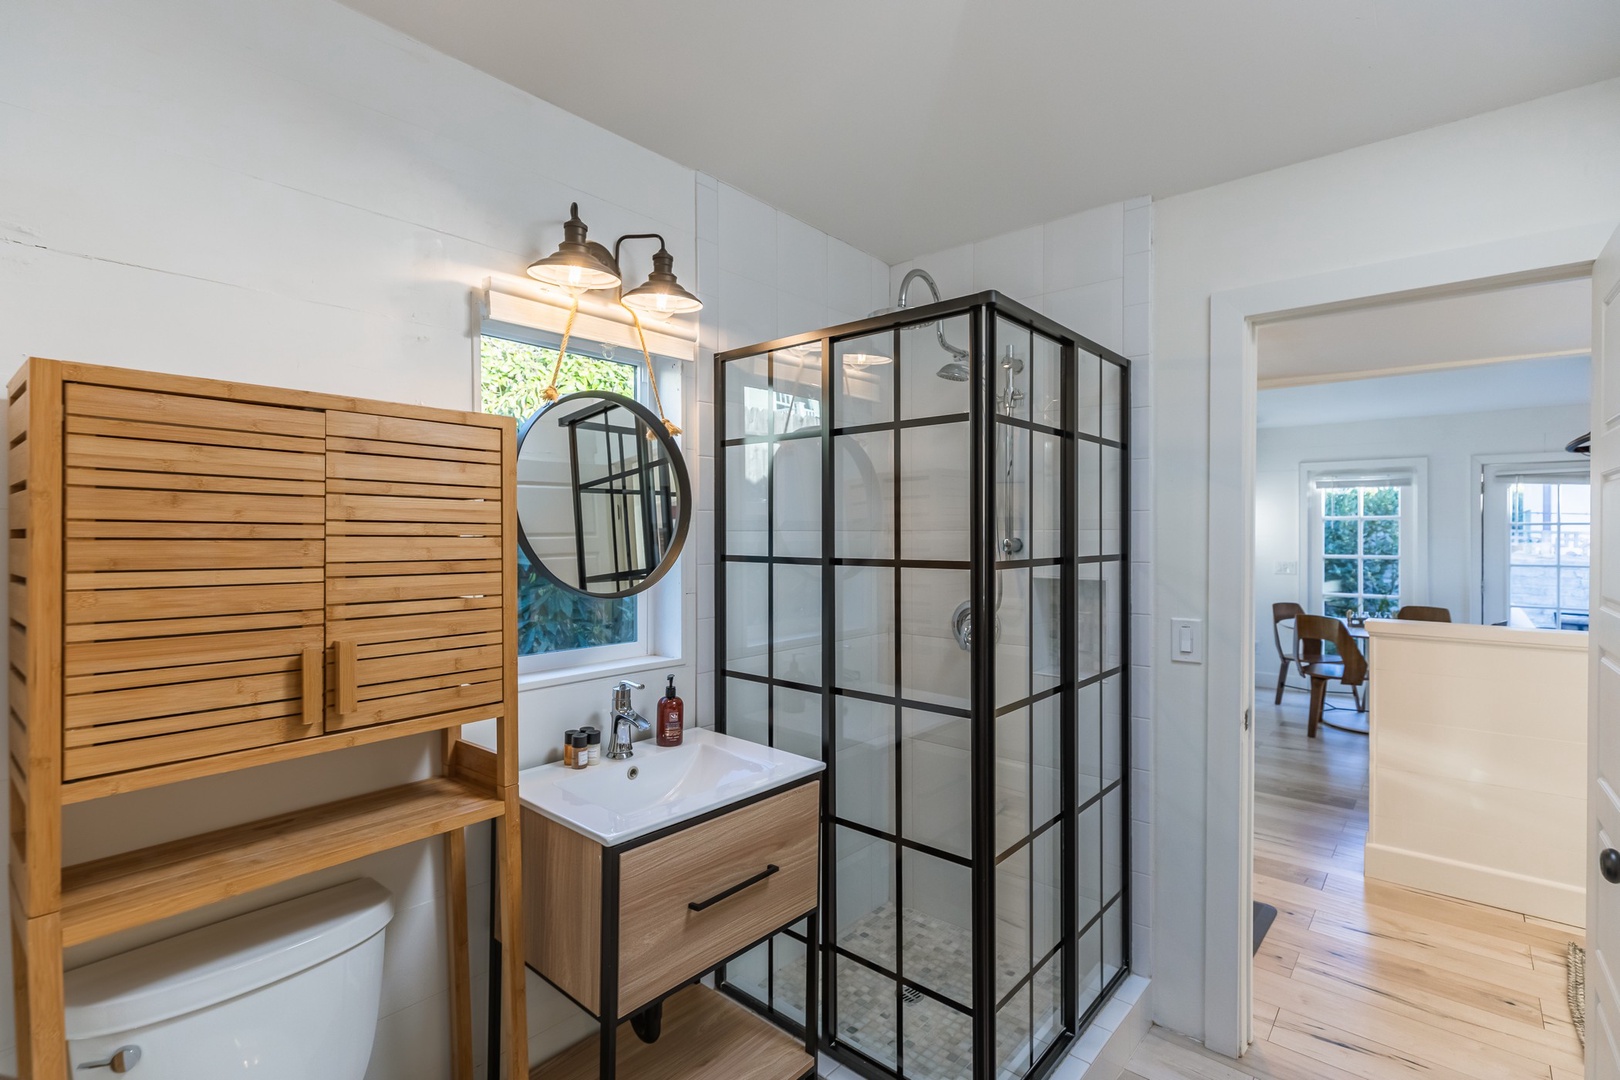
x,y
1522,384
908,126
1545,319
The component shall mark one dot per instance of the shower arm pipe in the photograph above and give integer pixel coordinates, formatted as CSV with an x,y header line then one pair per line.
x,y
913,274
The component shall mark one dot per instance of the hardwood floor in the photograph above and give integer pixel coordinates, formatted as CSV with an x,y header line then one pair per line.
x,y
1359,980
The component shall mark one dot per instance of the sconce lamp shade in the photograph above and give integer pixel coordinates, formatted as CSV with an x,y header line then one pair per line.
x,y
574,265
662,294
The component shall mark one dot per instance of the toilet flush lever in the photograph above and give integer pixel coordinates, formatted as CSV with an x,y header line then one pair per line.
x,y
123,1060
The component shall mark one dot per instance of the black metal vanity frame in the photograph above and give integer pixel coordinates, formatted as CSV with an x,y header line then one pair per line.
x,y
608,985
982,311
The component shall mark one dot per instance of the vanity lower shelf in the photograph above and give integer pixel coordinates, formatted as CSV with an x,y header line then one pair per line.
x,y
705,1035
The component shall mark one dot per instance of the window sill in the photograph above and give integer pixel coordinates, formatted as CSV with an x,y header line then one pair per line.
x,y
541,680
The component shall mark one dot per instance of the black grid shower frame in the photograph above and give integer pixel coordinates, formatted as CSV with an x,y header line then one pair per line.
x,y
1006,422
982,309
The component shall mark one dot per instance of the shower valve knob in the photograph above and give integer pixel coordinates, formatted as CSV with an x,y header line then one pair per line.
x,y
123,1060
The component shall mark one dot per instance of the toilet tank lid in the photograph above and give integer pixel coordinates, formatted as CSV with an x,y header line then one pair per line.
x,y
221,961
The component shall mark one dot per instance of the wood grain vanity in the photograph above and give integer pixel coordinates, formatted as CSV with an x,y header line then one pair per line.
x,y
637,923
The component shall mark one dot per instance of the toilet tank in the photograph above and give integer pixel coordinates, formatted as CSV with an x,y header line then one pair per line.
x,y
288,992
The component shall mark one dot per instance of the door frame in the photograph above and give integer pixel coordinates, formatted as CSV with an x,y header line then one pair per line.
x,y
1234,317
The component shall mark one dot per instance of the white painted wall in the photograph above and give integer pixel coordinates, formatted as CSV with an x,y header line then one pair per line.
x,y
1544,165
292,194
1450,506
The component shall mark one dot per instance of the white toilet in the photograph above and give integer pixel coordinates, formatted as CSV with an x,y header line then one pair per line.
x,y
288,992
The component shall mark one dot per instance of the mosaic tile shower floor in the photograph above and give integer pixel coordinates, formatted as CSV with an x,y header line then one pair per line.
x,y
938,955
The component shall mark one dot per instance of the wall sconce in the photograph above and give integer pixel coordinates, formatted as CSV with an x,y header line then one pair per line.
x,y
579,263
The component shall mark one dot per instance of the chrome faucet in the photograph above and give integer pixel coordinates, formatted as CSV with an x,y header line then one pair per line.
x,y
624,719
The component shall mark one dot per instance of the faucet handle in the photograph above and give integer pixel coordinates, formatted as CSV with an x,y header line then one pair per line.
x,y
621,695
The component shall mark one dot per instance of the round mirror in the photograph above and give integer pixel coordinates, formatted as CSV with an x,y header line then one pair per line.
x,y
602,494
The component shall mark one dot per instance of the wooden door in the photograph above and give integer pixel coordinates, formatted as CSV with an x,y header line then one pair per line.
x,y
193,562
1603,702
414,571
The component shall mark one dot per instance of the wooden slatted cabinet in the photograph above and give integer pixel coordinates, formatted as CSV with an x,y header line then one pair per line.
x,y
206,576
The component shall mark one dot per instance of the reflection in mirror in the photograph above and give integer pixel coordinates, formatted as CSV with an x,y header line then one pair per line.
x,y
603,495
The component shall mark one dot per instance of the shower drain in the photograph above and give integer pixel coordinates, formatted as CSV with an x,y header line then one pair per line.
x,y
910,995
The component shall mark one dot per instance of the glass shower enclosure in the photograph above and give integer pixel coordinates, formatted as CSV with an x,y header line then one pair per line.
x,y
922,580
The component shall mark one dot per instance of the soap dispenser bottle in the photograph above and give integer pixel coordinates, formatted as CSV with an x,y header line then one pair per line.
x,y
671,717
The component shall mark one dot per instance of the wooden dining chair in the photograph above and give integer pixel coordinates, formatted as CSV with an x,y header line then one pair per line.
x,y
1349,667
1419,613
1287,612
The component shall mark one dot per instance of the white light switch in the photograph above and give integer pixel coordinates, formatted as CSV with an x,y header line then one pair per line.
x,y
1187,641
1288,568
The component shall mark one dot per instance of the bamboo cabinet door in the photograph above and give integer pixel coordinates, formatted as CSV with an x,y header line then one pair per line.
x,y
413,586
193,581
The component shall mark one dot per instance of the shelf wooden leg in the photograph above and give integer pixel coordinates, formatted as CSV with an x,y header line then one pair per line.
x,y
509,880
455,904
36,970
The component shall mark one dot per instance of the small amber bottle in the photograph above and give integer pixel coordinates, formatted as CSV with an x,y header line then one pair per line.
x,y
671,717
568,747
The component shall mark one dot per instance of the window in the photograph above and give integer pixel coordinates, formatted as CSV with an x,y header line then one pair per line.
x,y
1537,545
557,626
1363,538
1361,550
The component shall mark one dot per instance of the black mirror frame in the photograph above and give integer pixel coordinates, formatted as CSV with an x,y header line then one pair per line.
x,y
683,482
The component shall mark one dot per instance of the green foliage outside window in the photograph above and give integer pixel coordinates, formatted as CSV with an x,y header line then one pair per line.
x,y
550,617
1361,548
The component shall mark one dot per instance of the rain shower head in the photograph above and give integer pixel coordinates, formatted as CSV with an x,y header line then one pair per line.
x,y
955,371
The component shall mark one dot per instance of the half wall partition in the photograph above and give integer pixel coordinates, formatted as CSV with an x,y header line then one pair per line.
x,y
922,555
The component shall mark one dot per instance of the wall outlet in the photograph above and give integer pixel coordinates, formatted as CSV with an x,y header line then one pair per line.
x,y
1187,641
1288,568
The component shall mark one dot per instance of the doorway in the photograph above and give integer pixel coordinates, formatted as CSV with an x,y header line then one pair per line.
x,y
1237,318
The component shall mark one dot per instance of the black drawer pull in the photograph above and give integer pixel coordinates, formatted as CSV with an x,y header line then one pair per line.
x,y
699,905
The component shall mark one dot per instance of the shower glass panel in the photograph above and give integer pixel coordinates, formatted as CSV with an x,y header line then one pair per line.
x,y
923,548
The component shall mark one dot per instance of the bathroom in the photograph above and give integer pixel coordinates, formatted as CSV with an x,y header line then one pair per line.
x,y
360,173
300,196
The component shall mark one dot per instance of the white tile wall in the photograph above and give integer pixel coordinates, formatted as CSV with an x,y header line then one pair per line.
x,y
1136,343
774,276
1074,270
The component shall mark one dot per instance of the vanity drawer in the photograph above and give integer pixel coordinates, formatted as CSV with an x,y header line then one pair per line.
x,y
663,941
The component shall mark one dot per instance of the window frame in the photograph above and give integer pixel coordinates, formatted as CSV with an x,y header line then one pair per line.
x,y
1496,473
1412,475
657,642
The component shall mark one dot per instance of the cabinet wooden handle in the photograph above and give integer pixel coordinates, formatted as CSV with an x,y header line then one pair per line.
x,y
347,688
313,674
699,905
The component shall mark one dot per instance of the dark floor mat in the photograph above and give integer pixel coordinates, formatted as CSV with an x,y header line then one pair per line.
x,y
1264,916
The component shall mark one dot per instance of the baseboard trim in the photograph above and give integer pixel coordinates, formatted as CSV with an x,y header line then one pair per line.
x,y
1481,884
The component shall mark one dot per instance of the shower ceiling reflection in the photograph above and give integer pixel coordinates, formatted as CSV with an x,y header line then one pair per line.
x,y
922,546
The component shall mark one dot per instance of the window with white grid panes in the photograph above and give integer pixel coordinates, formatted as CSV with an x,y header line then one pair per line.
x,y
1360,557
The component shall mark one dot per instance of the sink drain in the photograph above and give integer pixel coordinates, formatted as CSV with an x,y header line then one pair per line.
x,y
633,772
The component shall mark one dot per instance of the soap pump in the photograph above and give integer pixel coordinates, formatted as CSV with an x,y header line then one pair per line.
x,y
671,717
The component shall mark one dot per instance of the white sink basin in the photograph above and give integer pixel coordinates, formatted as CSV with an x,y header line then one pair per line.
x,y
617,801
